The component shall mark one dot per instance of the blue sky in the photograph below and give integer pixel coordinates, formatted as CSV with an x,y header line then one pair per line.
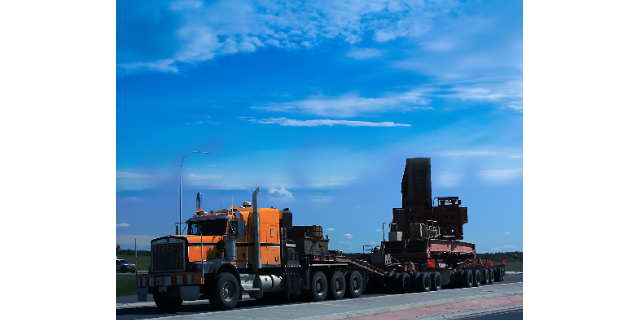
x,y
319,104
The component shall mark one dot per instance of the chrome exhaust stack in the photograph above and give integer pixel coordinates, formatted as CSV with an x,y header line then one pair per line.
x,y
257,263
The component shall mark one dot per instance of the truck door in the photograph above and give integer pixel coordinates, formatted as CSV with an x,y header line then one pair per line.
x,y
273,244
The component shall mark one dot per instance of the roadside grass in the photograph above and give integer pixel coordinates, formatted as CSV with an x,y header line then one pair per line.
x,y
126,286
514,266
143,261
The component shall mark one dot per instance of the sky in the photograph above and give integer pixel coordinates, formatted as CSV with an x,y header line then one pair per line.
x,y
319,104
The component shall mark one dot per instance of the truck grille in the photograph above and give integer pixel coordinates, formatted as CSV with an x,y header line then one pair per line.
x,y
168,256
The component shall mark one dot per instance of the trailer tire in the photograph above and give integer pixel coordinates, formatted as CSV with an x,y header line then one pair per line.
x,y
467,280
337,286
319,286
167,304
491,276
485,276
477,277
355,288
225,291
403,283
436,281
422,282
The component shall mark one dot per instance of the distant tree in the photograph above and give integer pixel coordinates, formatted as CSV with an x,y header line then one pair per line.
x,y
117,249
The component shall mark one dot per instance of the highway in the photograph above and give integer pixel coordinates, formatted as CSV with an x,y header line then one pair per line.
x,y
502,297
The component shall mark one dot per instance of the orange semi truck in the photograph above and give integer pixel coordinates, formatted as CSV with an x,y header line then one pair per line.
x,y
258,251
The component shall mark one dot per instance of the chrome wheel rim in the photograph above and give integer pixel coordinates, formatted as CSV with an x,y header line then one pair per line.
x,y
227,291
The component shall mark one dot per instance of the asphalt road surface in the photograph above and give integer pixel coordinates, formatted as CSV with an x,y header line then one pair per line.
x,y
259,309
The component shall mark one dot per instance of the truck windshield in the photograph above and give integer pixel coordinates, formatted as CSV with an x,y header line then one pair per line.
x,y
209,228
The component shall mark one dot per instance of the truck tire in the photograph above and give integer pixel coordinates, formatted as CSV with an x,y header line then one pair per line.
x,y
436,281
403,283
225,291
319,286
337,286
477,277
355,285
491,276
485,276
467,279
422,282
167,304
496,274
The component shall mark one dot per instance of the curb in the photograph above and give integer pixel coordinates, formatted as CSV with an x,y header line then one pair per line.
x,y
459,315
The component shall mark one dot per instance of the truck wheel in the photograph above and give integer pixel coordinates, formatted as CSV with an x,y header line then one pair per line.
x,y
491,276
477,277
167,304
226,291
319,286
422,282
403,283
436,281
338,286
356,284
496,274
467,280
485,276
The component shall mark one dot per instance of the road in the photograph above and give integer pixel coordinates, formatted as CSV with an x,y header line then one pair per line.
x,y
505,297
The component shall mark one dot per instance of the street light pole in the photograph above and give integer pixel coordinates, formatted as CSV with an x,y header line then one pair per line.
x,y
181,162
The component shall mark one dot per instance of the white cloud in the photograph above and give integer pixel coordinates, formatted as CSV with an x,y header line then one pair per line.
x,y
348,235
507,94
367,53
325,122
330,229
280,194
500,176
199,32
352,105
122,224
378,230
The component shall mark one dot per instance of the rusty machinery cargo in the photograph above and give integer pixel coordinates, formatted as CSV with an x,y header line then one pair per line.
x,y
258,251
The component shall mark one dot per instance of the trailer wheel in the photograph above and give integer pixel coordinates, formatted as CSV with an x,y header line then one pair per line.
x,y
337,286
485,276
319,286
167,304
422,282
436,281
491,276
477,277
356,284
403,283
496,274
226,291
467,280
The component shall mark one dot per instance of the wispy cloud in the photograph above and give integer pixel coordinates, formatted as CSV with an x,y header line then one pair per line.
x,y
367,53
138,181
330,229
446,179
353,105
348,235
507,232
325,122
124,224
501,176
187,32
